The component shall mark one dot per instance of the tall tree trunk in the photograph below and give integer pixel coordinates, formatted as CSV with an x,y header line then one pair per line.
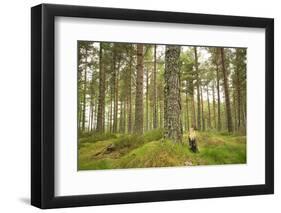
x,y
218,93
101,106
193,117
214,105
139,92
209,108
187,107
96,115
116,106
115,90
121,116
84,94
155,117
234,111
202,108
111,111
198,89
227,100
91,103
146,102
172,98
238,90
130,96
93,116
161,113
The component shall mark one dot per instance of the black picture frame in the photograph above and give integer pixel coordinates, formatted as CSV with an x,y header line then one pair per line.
x,y
43,105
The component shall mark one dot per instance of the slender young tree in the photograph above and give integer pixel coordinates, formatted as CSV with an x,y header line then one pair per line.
x,y
155,117
209,108
101,105
130,90
198,89
147,100
202,109
218,90
187,105
85,92
214,104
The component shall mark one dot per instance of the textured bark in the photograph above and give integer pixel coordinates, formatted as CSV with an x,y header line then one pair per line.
x,y
91,111
219,99
161,112
155,117
172,98
238,90
209,108
187,107
130,96
111,111
193,117
214,105
116,102
121,117
138,128
198,90
93,116
84,94
227,100
101,106
146,102
115,75
202,110
234,108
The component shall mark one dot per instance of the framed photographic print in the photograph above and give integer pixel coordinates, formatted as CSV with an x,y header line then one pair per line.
x,y
139,106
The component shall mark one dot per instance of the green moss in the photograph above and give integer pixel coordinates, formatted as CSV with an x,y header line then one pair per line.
x,y
150,150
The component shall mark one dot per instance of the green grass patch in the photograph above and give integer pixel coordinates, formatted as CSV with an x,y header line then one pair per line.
x,y
94,137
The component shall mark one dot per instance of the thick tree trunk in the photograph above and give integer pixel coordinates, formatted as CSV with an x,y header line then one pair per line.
x,y
138,129
227,100
172,103
198,90
101,106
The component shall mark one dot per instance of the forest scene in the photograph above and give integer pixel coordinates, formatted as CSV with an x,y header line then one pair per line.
x,y
153,105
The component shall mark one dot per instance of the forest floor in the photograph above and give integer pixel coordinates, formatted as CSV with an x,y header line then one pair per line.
x,y
110,151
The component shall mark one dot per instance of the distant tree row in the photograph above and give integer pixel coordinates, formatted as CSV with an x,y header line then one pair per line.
x,y
133,88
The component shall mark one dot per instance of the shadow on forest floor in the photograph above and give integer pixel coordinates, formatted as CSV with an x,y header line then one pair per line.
x,y
130,151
